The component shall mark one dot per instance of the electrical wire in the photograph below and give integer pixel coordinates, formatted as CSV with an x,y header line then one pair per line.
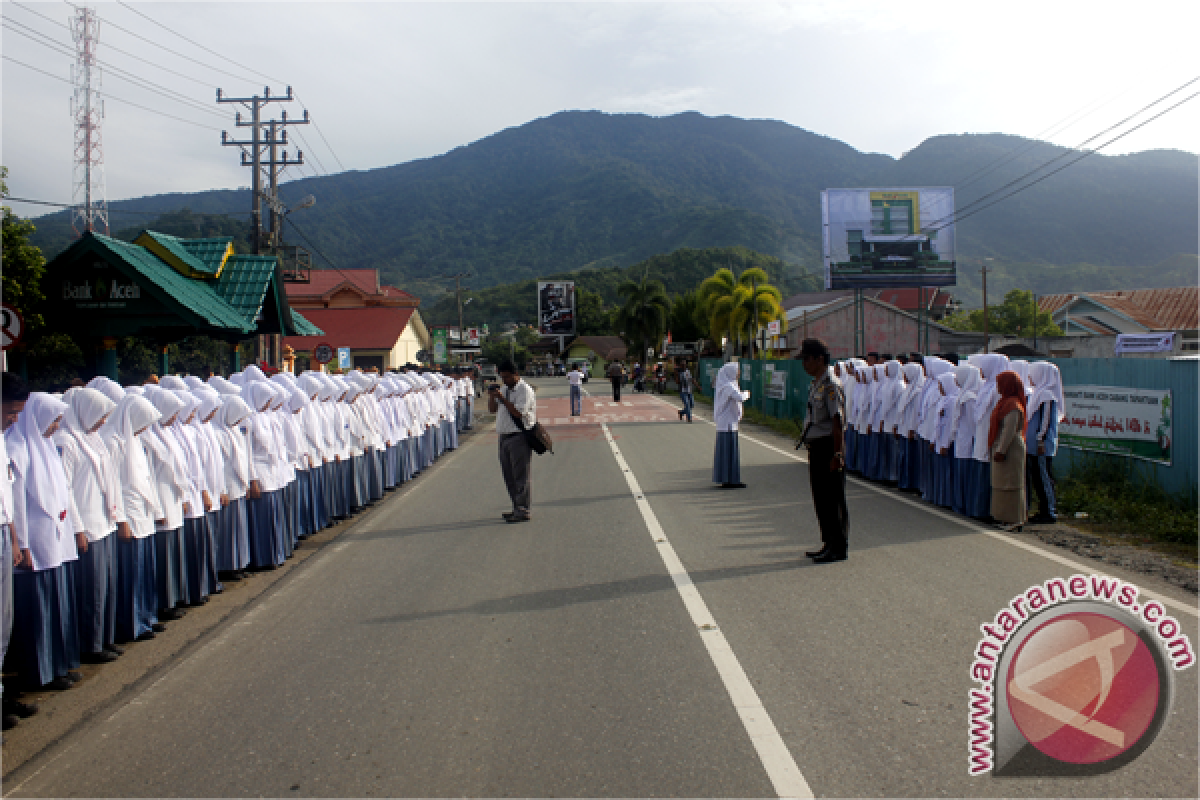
x,y
109,96
112,210
317,250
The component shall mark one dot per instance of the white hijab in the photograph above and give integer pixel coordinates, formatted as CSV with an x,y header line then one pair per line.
x,y
132,416
1047,386
85,408
35,457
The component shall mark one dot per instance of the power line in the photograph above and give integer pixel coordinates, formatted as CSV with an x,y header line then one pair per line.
x,y
310,150
114,97
321,133
120,210
316,249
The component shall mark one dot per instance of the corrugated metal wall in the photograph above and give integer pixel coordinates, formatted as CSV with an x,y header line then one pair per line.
x,y
1180,376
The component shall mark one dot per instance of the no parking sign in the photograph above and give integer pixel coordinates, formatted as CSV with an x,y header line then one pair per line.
x,y
11,326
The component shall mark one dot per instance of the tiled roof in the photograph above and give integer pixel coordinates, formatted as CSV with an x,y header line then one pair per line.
x,y
1171,309
197,296
212,252
375,328
172,251
244,283
322,281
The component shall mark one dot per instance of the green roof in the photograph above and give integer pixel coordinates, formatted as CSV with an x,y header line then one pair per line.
x,y
244,283
172,250
304,327
211,252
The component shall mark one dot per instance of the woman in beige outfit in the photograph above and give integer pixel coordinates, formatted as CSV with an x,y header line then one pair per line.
x,y
1006,441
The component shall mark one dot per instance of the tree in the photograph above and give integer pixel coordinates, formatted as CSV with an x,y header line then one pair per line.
x,y
591,317
24,266
643,316
1015,317
688,323
738,307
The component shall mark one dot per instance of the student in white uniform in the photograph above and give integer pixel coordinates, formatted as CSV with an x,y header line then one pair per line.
x,y
728,398
232,540
98,512
168,463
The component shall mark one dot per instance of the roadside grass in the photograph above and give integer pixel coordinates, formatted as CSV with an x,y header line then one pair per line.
x,y
1133,511
786,427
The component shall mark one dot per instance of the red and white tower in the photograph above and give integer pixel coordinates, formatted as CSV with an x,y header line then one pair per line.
x,y
90,211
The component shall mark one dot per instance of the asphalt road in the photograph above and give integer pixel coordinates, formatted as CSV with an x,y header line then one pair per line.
x,y
436,651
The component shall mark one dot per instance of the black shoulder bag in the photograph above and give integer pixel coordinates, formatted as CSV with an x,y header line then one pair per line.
x,y
537,436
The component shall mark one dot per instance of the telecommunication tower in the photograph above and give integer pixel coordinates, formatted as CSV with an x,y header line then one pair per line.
x,y
90,210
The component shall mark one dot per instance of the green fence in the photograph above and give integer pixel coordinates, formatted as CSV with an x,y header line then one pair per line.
x,y
777,388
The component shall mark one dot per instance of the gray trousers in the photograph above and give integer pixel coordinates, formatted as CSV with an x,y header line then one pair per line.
x,y
515,462
6,591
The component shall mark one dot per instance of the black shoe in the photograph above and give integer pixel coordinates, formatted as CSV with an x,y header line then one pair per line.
x,y
10,721
115,649
515,518
22,710
74,676
145,637
733,486
103,657
171,614
817,553
507,515
829,558
158,627
59,684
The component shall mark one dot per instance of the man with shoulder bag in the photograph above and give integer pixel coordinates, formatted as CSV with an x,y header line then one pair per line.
x,y
517,417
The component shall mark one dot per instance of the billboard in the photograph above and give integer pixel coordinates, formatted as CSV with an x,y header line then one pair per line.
x,y
1121,420
556,308
888,238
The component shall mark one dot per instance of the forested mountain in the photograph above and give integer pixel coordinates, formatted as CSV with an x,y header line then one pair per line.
x,y
588,189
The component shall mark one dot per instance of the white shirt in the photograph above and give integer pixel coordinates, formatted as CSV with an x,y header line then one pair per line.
x,y
524,400
89,513
575,377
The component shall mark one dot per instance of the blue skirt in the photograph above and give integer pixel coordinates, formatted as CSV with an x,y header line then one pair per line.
x,y
978,487
727,460
195,537
233,537
347,496
851,441
927,458
264,516
872,467
45,641
333,490
943,480
451,434
96,593
361,478
137,588
170,568
894,450
390,472
304,498
374,463
958,499
429,446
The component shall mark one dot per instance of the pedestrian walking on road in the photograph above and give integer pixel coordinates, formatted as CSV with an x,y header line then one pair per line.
x,y
824,436
727,413
516,456
575,379
616,375
684,376
1006,442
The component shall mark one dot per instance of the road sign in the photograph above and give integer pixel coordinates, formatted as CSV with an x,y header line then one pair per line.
x,y
11,326
344,360
773,328
473,337
323,353
678,349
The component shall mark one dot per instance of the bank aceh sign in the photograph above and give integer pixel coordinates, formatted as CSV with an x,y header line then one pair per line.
x,y
100,293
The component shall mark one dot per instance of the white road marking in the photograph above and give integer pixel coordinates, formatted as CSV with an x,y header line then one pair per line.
x,y
972,525
772,751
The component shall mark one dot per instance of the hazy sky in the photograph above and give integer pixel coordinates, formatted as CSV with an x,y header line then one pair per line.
x,y
391,82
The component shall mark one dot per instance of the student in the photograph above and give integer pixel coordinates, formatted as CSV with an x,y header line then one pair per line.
x,y
264,507
727,413
990,365
233,529
1046,411
962,423
197,500
888,397
168,463
214,470
1006,443
45,641
927,427
126,436
909,417
97,513
943,467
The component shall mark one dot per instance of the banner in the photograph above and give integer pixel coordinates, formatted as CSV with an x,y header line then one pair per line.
x,y
887,238
1119,420
556,308
774,382
440,349
1145,342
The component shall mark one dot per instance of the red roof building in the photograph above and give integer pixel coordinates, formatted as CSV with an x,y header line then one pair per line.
x,y
379,323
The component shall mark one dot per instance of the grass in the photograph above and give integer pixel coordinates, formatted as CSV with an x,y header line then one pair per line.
x,y
1137,512
786,427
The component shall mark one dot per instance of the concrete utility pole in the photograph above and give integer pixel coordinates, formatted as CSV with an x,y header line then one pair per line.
x,y
258,146
987,338
458,288
1035,315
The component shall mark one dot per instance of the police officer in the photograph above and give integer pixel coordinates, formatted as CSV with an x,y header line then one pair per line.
x,y
823,429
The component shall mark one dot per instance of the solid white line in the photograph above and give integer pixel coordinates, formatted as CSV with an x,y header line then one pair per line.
x,y
970,524
776,758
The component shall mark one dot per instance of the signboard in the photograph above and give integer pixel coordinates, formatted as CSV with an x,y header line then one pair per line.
x,y
11,326
682,349
776,384
556,308
887,238
323,353
773,328
1145,343
344,359
440,350
1119,420
473,337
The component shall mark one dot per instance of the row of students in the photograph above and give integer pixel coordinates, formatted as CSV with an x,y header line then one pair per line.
x,y
128,505
930,427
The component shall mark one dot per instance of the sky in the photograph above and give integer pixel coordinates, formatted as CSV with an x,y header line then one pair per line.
x,y
390,82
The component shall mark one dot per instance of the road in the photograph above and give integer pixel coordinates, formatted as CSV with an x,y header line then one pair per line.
x,y
435,651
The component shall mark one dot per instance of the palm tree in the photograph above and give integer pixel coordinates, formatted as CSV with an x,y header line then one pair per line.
x,y
738,307
643,316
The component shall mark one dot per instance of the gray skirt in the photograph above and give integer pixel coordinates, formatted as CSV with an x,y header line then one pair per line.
x,y
727,461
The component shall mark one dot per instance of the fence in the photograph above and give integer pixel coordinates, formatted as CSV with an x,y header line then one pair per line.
x,y
1178,375
786,399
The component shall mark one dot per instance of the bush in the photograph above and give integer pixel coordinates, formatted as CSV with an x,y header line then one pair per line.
x,y
1103,489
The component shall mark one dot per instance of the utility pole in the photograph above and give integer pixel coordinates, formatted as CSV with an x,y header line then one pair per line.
x,y
88,195
458,301
1035,315
754,289
987,338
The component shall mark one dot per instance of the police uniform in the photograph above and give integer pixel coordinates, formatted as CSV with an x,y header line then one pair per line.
x,y
825,402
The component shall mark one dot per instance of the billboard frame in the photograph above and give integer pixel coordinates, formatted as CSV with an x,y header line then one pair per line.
x,y
548,308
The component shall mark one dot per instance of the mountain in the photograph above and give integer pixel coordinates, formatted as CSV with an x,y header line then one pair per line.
x,y
591,190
